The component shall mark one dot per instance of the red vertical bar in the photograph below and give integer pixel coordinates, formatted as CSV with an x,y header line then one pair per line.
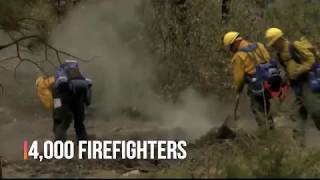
x,y
25,150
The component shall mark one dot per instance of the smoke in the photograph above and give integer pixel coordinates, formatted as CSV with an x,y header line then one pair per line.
x,y
110,34
123,75
102,30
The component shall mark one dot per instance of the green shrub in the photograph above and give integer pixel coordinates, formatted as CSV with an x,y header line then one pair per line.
x,y
186,36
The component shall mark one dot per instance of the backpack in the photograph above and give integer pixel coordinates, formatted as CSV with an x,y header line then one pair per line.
x,y
43,90
69,78
313,76
267,77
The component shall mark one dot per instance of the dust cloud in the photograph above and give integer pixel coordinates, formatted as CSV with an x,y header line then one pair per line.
x,y
123,75
109,34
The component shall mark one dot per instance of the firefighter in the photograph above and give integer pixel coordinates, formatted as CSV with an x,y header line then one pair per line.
x,y
71,93
246,57
299,60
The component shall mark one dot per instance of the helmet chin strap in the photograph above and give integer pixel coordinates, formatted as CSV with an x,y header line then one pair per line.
x,y
235,46
279,44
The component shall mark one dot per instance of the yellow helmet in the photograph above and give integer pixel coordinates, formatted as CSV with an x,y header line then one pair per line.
x,y
272,35
230,37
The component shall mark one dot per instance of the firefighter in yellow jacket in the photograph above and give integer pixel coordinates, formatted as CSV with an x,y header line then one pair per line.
x,y
244,70
66,95
297,58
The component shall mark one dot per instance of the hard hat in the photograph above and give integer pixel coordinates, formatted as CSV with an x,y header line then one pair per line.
x,y
272,35
229,38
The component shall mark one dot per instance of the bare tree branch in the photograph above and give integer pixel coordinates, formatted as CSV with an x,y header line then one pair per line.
x,y
58,57
4,68
45,53
21,59
26,60
16,41
65,53
15,69
46,45
7,59
30,19
46,59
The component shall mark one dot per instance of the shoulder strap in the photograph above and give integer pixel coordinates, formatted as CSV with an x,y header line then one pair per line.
x,y
294,53
280,59
250,48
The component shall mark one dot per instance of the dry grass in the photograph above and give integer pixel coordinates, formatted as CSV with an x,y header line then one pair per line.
x,y
262,155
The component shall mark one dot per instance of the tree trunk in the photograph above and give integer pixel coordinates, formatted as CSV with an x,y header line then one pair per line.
x,y
225,10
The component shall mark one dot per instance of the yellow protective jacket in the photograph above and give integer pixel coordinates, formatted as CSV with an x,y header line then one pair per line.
x,y
244,63
293,68
43,87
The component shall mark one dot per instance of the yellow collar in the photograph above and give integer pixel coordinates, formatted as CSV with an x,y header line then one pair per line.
x,y
243,44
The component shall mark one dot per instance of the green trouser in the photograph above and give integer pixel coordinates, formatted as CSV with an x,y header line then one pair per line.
x,y
306,103
260,107
72,108
62,118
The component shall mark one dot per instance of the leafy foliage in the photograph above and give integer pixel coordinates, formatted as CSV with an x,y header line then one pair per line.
x,y
186,35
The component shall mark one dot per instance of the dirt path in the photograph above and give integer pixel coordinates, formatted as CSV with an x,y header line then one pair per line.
x,y
23,118
121,128
12,151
